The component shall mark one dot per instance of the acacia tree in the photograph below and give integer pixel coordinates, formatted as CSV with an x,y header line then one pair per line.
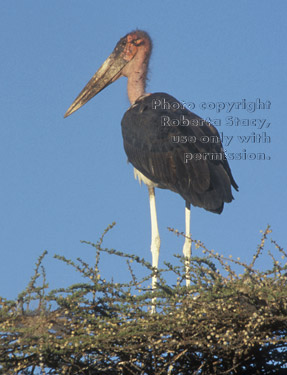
x,y
226,322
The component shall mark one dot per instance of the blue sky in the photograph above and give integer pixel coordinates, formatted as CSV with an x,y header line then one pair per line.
x,y
65,180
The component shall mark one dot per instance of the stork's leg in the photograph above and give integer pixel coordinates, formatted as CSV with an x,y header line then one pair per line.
x,y
187,243
155,239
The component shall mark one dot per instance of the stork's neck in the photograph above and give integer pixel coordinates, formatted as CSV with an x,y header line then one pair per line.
x,y
136,86
137,75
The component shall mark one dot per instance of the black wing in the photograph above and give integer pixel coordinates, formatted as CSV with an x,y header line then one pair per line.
x,y
176,149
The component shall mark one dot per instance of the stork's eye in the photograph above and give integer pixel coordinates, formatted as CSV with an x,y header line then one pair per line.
x,y
137,42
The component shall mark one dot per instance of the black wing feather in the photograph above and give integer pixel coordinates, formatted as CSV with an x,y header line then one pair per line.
x,y
204,181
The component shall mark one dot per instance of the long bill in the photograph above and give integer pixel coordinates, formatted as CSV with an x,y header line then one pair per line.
x,y
107,74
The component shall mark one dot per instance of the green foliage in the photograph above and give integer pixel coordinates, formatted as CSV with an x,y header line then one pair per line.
x,y
224,323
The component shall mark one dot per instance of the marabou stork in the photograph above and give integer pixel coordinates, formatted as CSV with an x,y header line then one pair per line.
x,y
169,146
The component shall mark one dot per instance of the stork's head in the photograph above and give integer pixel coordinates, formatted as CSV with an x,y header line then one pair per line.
x,y
132,51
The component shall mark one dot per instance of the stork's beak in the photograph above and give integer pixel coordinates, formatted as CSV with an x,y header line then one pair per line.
x,y
107,74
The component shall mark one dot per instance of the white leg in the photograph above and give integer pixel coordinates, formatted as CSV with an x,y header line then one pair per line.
x,y
187,243
155,239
